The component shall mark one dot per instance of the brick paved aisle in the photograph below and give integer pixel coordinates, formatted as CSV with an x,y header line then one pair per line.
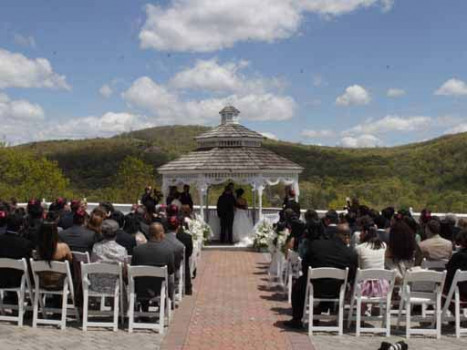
x,y
233,308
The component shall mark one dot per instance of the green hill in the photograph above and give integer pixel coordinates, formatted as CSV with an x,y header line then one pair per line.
x,y
432,173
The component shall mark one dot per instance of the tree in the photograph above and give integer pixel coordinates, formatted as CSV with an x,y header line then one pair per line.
x,y
25,175
132,177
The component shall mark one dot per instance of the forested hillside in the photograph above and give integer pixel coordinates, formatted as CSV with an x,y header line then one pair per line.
x,y
432,173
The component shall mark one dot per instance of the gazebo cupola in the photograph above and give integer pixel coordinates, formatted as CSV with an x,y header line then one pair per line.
x,y
229,133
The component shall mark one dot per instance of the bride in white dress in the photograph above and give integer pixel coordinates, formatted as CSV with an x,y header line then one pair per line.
x,y
242,226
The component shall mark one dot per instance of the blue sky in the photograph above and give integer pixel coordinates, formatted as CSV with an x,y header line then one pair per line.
x,y
352,73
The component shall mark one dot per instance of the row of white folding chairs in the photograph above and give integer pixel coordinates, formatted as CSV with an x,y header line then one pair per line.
x,y
408,298
38,294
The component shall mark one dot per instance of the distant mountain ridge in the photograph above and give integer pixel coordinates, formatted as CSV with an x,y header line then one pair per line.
x,y
431,173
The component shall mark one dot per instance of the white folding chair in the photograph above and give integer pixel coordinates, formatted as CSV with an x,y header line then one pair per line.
x,y
162,299
105,270
436,265
459,277
180,288
294,271
81,257
410,297
277,267
310,299
67,293
25,286
383,301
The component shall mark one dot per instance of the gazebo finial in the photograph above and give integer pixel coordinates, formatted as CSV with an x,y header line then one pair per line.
x,y
229,115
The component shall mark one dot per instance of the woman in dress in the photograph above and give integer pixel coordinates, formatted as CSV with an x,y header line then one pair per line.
x,y
242,225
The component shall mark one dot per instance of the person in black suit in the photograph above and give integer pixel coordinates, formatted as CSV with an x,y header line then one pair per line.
x,y
332,252
187,241
225,212
124,239
331,219
458,261
156,252
13,246
78,237
185,197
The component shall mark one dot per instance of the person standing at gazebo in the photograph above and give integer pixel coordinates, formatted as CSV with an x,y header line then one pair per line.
x,y
225,212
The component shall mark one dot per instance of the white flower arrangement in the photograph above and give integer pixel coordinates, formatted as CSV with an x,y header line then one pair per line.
x,y
277,240
199,230
263,232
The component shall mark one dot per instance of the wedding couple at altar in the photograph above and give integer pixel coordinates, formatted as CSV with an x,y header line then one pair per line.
x,y
232,210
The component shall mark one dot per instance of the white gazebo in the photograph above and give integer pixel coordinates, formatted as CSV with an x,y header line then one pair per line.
x,y
230,152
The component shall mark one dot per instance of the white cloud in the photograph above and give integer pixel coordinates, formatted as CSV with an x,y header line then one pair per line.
x,y
206,25
108,124
18,110
457,129
106,91
24,40
395,92
16,70
317,133
270,135
391,123
210,75
452,87
354,95
168,107
361,141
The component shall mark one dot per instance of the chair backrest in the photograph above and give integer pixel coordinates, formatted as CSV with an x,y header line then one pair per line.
x,y
101,268
424,276
147,271
375,274
54,266
438,265
327,272
16,264
81,257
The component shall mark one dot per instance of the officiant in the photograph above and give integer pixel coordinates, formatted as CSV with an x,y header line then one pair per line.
x,y
225,212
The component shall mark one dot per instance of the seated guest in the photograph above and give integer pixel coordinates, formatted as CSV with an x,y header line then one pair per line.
x,y
434,247
330,221
107,251
174,243
187,241
449,230
66,219
157,252
462,224
141,216
13,246
78,237
314,229
401,249
50,249
124,239
383,228
371,252
333,252
132,227
458,261
96,218
33,221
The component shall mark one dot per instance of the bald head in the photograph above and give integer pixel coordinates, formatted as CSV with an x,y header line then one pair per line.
x,y
156,232
343,232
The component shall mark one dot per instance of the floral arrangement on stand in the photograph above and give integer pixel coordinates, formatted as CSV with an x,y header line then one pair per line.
x,y
200,231
277,240
263,231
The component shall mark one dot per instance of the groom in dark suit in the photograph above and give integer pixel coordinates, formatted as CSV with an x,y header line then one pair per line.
x,y
225,212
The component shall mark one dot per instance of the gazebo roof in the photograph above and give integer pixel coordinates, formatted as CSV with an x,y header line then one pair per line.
x,y
230,160
230,131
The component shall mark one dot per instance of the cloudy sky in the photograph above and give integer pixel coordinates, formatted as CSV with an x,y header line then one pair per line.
x,y
353,73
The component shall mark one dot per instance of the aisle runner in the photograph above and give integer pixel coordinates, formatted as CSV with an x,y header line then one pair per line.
x,y
232,308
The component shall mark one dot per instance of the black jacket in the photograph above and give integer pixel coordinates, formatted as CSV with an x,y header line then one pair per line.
x,y
13,246
226,205
329,253
126,240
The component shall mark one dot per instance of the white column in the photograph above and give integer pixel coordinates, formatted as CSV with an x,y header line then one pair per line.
x,y
296,189
260,189
202,188
254,205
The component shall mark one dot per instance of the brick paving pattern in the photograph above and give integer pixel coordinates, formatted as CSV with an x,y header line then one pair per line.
x,y
233,308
